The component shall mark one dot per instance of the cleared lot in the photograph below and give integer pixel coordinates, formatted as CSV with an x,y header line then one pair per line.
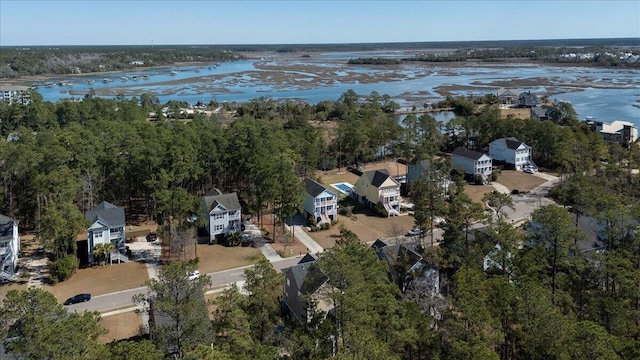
x,y
518,180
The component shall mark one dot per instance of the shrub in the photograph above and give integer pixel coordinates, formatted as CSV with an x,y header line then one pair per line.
x,y
326,226
62,269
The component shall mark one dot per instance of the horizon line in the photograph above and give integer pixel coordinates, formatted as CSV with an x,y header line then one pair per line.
x,y
152,44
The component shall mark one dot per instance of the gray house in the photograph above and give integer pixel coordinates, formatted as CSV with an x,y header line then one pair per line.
x,y
223,213
9,248
508,96
529,100
107,225
306,291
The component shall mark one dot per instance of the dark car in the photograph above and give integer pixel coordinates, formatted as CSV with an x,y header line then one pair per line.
x,y
78,299
151,237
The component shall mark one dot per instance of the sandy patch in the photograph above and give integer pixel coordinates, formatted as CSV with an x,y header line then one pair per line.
x,y
519,180
120,326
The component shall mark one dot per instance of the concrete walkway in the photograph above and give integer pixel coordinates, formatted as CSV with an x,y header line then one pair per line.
x,y
500,188
267,250
304,238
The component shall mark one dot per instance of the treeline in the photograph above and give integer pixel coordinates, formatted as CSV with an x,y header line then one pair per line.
x,y
23,61
374,61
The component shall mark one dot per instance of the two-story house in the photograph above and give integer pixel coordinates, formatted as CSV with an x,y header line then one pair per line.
x,y
320,203
471,162
306,291
9,248
223,213
622,132
421,169
508,96
107,225
513,152
527,99
378,187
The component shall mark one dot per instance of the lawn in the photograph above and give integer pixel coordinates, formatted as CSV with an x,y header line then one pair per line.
x,y
217,257
476,192
519,180
120,326
101,280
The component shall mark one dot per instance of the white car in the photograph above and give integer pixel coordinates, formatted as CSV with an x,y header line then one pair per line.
x,y
194,275
529,170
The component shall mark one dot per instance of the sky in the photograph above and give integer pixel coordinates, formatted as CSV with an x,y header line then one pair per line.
x,y
30,22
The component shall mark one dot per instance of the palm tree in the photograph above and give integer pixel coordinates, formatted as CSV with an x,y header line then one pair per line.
x,y
102,250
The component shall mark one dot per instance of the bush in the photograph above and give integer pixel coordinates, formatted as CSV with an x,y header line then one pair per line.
x,y
494,176
62,269
325,226
379,209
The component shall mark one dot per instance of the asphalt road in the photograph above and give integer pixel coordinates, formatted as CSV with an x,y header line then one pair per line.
x,y
122,299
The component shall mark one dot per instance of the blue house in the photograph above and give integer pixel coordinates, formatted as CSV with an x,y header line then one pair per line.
x,y
107,225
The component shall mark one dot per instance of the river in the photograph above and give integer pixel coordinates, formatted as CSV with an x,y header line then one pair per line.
x,y
606,94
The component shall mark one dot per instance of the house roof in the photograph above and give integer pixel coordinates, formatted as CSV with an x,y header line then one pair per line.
x,y
107,213
508,92
510,143
378,177
6,227
307,277
469,154
541,111
308,258
5,220
314,188
214,198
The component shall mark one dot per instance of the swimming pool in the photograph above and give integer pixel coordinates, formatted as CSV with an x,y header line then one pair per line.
x,y
343,187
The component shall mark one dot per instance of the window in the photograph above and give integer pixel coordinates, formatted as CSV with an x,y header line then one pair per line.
x,y
97,234
219,227
219,216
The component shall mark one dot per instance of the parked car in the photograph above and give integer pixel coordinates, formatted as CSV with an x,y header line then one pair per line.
x,y
413,232
78,299
151,237
194,275
529,170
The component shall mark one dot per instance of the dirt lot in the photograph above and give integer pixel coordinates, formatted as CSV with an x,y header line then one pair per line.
x,y
120,326
217,257
101,280
519,180
476,192
520,113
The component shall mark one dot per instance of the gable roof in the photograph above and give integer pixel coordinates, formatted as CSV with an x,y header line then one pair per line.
x,y
508,92
510,143
314,188
466,153
107,213
307,276
378,177
308,258
228,201
5,220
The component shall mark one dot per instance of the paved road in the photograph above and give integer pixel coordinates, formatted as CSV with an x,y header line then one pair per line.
x,y
122,299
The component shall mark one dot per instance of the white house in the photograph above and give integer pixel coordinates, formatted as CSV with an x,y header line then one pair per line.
x,y
9,248
17,94
107,225
508,96
378,187
223,213
471,162
622,132
512,151
319,203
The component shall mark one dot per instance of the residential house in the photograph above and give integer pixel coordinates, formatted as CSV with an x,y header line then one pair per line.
x,y
508,96
223,213
9,248
529,100
544,112
107,225
15,94
320,203
378,187
511,151
471,162
495,259
420,169
306,291
622,132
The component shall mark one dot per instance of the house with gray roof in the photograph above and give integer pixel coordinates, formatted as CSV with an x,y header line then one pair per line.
x,y
471,162
107,225
527,99
508,96
223,213
378,187
513,152
319,203
9,248
306,291
544,112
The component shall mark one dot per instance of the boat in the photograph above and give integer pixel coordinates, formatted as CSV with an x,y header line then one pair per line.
x,y
145,77
124,78
134,78
105,80
49,85
90,81
173,73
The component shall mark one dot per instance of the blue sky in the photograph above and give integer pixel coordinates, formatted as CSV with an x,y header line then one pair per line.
x,y
27,22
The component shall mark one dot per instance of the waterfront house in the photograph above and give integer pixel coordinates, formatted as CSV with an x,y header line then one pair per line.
x,y
378,187
9,248
544,112
320,203
528,99
471,162
15,94
306,291
508,96
107,225
223,213
621,132
513,152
